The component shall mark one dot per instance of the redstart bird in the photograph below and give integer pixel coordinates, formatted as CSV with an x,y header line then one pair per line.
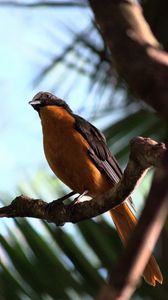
x,y
78,155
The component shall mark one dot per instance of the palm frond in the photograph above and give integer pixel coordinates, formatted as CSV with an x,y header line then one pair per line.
x,y
38,4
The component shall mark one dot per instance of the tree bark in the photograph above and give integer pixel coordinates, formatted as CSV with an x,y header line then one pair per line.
x,y
138,56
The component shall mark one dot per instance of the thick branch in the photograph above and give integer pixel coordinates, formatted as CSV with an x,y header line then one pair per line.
x,y
132,263
144,153
138,56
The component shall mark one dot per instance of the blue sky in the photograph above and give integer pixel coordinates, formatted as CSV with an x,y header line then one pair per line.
x,y
26,34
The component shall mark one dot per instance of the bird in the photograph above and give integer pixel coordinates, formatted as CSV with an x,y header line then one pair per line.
x,y
77,153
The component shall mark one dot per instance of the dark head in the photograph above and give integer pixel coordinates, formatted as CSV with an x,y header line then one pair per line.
x,y
42,99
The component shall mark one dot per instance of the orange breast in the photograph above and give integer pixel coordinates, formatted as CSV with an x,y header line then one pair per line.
x,y
67,153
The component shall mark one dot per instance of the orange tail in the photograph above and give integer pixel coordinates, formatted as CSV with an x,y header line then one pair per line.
x,y
125,222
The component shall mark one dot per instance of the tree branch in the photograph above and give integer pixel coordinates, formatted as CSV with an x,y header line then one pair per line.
x,y
138,56
144,154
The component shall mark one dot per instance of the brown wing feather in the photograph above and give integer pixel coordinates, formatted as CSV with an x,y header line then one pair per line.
x,y
99,151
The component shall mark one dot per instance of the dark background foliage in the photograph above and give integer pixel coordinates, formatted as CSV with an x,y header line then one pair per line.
x,y
38,260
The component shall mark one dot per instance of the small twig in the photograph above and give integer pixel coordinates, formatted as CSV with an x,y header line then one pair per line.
x,y
144,154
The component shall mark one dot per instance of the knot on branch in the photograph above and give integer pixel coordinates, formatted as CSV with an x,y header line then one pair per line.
x,y
18,204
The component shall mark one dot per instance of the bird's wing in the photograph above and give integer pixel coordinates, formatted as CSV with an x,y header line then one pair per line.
x,y
98,151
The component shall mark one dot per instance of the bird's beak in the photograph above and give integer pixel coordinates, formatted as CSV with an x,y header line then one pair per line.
x,y
35,104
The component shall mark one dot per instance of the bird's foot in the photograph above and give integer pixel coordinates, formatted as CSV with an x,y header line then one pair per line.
x,y
55,203
77,199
